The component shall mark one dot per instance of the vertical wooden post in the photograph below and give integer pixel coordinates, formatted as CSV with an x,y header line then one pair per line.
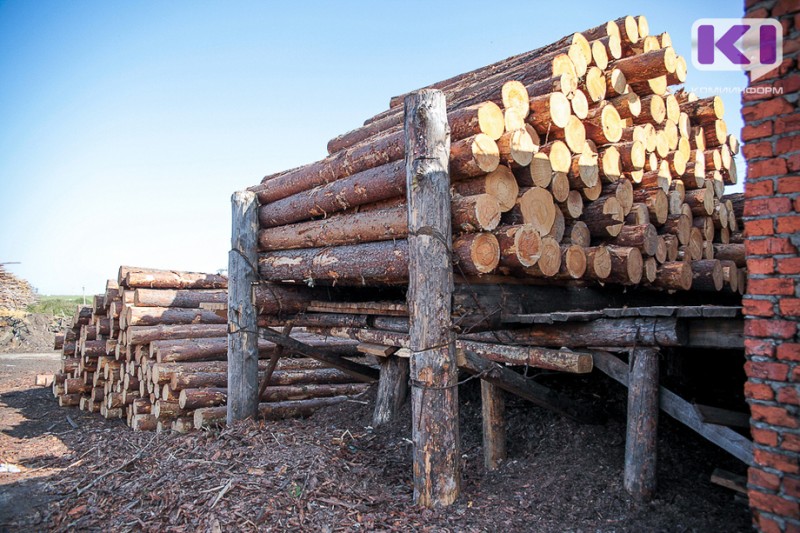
x,y
434,374
242,323
493,407
640,443
392,390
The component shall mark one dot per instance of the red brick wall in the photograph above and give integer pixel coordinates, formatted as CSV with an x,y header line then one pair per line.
x,y
771,139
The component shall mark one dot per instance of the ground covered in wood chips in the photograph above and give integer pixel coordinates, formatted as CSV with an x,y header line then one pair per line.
x,y
332,472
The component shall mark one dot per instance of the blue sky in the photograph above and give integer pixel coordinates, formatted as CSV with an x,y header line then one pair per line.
x,y
126,126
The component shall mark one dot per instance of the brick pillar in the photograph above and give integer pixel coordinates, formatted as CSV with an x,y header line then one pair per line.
x,y
771,139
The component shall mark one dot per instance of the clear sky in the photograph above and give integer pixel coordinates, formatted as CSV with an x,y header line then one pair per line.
x,y
126,126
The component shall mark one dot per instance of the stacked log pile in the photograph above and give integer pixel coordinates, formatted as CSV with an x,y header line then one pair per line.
x,y
15,293
572,164
147,351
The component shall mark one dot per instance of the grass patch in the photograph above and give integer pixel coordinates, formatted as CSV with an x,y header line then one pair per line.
x,y
57,305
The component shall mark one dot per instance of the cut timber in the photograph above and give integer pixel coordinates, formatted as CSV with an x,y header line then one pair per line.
x,y
434,375
704,110
515,96
473,156
501,184
548,111
476,253
169,279
212,416
537,208
516,148
178,298
520,246
646,66
674,275
606,127
475,213
643,236
598,263
375,262
152,316
707,275
604,217
549,262
626,265
602,332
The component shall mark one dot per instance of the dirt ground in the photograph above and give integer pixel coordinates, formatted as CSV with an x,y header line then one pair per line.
x,y
333,472
29,333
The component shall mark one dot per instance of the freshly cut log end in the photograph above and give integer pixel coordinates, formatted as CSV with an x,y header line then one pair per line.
x,y
553,109
609,130
599,55
515,96
573,134
598,263
513,119
549,262
573,207
595,83
475,213
643,236
474,156
490,120
502,185
520,246
573,261
559,186
560,156
611,164
477,253
580,104
649,269
541,170
604,218
538,209
629,30
616,83
516,148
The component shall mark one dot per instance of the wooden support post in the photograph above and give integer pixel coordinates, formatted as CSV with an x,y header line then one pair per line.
x,y
242,316
434,374
493,408
392,389
640,443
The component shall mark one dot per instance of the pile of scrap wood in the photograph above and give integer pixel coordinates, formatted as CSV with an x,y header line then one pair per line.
x,y
148,351
15,293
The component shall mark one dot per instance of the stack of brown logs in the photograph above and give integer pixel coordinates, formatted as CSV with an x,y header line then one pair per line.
x,y
148,352
571,164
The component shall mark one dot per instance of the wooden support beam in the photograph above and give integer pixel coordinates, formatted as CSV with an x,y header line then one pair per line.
x,y
640,443
681,410
242,317
434,374
493,407
722,417
392,390
356,370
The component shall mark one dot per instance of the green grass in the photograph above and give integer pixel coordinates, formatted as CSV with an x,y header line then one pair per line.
x,y
57,305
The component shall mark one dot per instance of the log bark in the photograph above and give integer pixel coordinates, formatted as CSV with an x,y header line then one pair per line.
x,y
173,279
178,298
153,316
641,439
392,390
494,425
214,416
434,375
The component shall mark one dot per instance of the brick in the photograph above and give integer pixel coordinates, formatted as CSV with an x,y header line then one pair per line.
x,y
754,150
792,527
789,265
797,21
775,166
791,486
768,525
758,188
756,476
796,374
784,7
771,286
787,124
756,95
767,109
789,394
767,206
765,437
763,308
789,351
760,266
796,204
784,463
778,329
788,184
793,163
776,416
764,348
769,246
791,443
789,224
772,503
790,306
758,391
766,370
750,132
790,143
759,228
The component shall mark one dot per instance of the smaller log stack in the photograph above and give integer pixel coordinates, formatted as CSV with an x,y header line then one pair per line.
x,y
15,293
147,352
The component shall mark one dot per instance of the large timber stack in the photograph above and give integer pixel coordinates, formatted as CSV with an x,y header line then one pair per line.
x,y
579,183
148,352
